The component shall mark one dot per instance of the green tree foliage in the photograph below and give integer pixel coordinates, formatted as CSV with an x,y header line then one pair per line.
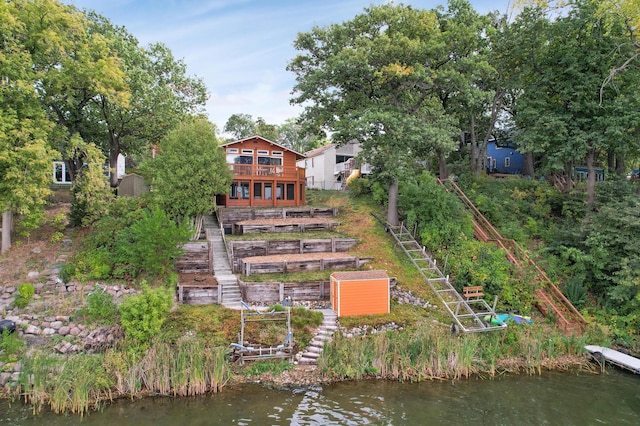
x,y
564,111
293,135
90,190
74,65
25,155
189,171
440,218
151,244
371,79
160,95
242,126
142,315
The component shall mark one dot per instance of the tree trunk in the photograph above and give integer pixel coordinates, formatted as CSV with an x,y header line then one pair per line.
x,y
7,224
591,178
620,166
528,167
611,161
474,154
392,211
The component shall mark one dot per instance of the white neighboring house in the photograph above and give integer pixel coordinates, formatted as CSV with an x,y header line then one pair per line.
x,y
62,176
329,166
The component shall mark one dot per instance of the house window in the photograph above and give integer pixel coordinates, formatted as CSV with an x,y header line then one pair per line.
x,y
257,191
507,161
277,153
239,159
291,191
247,151
280,191
263,152
239,190
268,191
61,174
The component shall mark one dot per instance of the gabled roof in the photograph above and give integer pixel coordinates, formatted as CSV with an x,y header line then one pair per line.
x,y
224,145
317,151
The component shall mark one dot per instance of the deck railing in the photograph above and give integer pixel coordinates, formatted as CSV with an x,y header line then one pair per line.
x,y
266,171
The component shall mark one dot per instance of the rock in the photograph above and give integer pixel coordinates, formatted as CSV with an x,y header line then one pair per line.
x,y
64,330
6,296
36,250
74,331
4,378
56,325
32,329
63,318
10,290
48,331
32,275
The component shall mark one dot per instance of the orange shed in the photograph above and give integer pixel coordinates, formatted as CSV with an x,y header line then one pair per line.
x,y
360,293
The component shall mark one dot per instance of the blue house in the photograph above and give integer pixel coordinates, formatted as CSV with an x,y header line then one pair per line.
x,y
503,158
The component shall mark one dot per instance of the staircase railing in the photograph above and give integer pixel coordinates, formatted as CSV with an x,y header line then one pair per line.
x,y
517,255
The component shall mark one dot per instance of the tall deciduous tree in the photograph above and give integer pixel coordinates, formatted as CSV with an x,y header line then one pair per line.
x,y
243,126
371,80
25,154
190,170
562,110
74,65
161,94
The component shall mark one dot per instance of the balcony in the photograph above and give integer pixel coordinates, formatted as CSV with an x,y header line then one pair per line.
x,y
267,171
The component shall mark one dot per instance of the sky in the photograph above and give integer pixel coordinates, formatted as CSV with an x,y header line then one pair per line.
x,y
241,48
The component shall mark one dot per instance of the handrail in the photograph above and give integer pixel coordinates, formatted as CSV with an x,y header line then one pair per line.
x,y
266,171
486,225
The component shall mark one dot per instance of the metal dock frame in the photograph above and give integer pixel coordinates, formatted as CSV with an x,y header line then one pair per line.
x,y
468,315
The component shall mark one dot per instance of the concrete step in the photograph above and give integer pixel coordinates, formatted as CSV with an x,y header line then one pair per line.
x,y
314,350
307,361
311,355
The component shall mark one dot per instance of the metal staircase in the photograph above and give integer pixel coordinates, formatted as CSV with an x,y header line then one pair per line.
x,y
468,314
549,299
228,289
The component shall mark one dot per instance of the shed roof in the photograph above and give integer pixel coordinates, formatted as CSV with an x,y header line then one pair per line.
x,y
360,275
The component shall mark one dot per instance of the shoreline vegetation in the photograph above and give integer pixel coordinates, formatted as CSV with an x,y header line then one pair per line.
x,y
85,382
190,354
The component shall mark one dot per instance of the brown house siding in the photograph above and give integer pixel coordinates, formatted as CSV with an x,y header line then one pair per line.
x,y
265,175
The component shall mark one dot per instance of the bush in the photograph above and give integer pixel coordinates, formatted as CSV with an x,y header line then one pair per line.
x,y
142,316
25,294
11,347
100,307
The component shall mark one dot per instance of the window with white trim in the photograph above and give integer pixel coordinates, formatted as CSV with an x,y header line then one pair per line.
x,y
61,174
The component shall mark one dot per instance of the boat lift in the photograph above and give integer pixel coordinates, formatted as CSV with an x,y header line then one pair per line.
x,y
468,314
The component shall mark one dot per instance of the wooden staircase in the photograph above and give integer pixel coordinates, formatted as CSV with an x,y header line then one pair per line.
x,y
551,302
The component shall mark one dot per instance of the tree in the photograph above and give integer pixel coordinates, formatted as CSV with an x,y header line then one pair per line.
x,y
293,135
90,190
371,80
559,112
190,170
160,95
243,126
74,65
25,154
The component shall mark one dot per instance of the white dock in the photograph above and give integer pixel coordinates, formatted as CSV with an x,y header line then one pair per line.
x,y
601,354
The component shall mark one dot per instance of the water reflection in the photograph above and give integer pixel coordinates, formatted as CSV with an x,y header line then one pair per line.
x,y
551,399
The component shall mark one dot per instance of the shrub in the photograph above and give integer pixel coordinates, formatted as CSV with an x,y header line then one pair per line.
x,y
11,346
142,316
101,307
25,294
152,243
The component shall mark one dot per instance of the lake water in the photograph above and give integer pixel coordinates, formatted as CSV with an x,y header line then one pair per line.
x,y
554,398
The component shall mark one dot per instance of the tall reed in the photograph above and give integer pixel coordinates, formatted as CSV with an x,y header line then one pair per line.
x,y
424,352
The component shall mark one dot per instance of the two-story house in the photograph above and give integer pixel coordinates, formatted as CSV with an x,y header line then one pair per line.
x,y
265,174
329,166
